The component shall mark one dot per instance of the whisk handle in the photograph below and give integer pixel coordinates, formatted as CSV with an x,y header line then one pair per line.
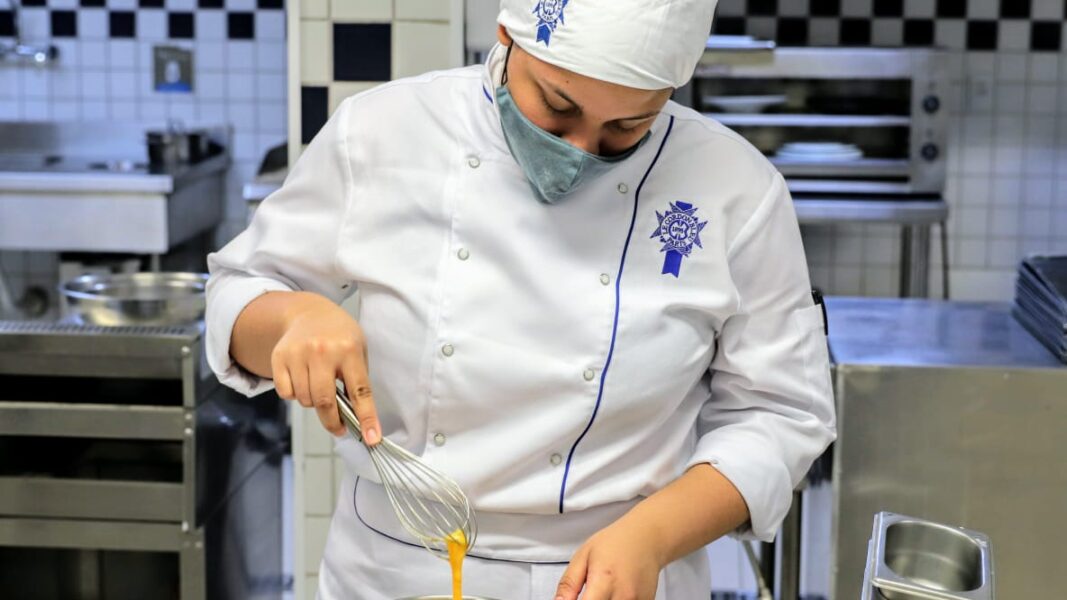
x,y
349,416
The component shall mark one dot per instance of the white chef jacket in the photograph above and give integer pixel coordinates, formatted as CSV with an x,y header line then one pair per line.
x,y
548,357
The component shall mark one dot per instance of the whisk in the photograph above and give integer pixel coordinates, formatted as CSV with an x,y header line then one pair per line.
x,y
429,504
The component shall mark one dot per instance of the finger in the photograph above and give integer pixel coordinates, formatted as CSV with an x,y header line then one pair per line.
x,y
283,384
357,387
570,585
298,374
323,385
599,588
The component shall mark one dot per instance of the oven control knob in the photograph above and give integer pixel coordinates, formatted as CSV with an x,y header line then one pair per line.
x,y
931,104
930,152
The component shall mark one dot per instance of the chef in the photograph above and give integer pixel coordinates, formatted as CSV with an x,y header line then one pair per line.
x,y
587,304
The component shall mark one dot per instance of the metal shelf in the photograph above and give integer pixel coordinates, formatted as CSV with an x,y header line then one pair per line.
x,y
863,167
837,186
797,120
906,212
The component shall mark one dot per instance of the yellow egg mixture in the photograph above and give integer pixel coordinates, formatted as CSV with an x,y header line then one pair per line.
x,y
457,549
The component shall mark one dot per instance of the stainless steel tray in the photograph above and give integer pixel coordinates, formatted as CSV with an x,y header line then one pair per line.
x,y
136,298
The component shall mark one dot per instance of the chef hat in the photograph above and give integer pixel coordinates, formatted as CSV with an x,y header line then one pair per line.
x,y
645,44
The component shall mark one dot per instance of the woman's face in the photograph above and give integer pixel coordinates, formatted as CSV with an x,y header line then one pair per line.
x,y
598,117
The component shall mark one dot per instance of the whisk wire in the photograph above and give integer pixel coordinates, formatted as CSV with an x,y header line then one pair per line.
x,y
428,504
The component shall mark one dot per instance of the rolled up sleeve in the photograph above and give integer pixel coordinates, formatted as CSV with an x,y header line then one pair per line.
x,y
290,245
770,411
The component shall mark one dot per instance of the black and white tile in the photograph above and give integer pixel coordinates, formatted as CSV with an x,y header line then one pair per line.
x,y
1026,25
127,19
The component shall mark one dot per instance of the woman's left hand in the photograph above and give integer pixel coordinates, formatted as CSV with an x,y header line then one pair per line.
x,y
620,562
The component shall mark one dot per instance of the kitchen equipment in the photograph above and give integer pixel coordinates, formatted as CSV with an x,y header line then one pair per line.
x,y
128,471
1041,301
818,152
745,104
948,411
916,559
885,103
175,144
136,298
429,504
88,187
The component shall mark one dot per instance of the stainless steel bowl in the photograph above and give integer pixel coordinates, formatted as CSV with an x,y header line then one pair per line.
x,y
137,298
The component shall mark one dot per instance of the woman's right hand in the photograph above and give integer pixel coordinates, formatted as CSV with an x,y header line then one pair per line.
x,y
322,343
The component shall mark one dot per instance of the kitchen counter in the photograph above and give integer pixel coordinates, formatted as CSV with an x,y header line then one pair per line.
x,y
20,173
931,333
947,411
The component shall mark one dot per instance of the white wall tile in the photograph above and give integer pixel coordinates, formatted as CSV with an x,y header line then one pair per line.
x,y
210,25
316,52
94,84
1011,66
420,47
1003,254
428,10
1004,222
347,11
151,25
315,531
241,86
211,85
1011,98
270,25
981,284
314,9
1042,99
1044,67
318,483
271,57
1014,35
122,84
271,117
1007,190
94,110
122,54
66,110
35,24
969,253
1037,223
339,90
1038,192
240,56
210,55
36,111
93,24
36,83
317,440
270,86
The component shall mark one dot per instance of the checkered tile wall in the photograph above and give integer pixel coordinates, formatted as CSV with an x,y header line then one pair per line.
x,y
123,18
1035,25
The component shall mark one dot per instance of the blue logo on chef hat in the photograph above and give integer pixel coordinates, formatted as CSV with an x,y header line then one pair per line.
x,y
549,14
679,229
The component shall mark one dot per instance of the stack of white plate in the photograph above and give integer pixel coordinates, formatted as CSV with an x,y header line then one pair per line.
x,y
745,104
819,152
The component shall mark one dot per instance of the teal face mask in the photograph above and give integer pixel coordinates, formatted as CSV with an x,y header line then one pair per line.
x,y
552,166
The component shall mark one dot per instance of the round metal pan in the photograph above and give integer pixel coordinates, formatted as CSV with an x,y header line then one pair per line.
x,y
136,298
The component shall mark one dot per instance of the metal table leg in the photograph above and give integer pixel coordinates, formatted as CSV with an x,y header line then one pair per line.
x,y
914,261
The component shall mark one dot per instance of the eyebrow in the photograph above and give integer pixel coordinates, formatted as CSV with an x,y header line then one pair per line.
x,y
578,107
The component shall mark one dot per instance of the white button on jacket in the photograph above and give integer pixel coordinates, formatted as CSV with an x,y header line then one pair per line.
x,y
706,343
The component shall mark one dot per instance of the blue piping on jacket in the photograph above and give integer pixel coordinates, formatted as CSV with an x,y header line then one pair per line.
x,y
615,324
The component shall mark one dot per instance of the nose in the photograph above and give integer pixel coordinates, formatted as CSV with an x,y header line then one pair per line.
x,y
583,141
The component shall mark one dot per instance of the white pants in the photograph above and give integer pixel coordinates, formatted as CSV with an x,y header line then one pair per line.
x,y
362,564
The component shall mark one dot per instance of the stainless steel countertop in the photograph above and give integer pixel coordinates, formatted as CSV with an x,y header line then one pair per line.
x,y
138,180
902,332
